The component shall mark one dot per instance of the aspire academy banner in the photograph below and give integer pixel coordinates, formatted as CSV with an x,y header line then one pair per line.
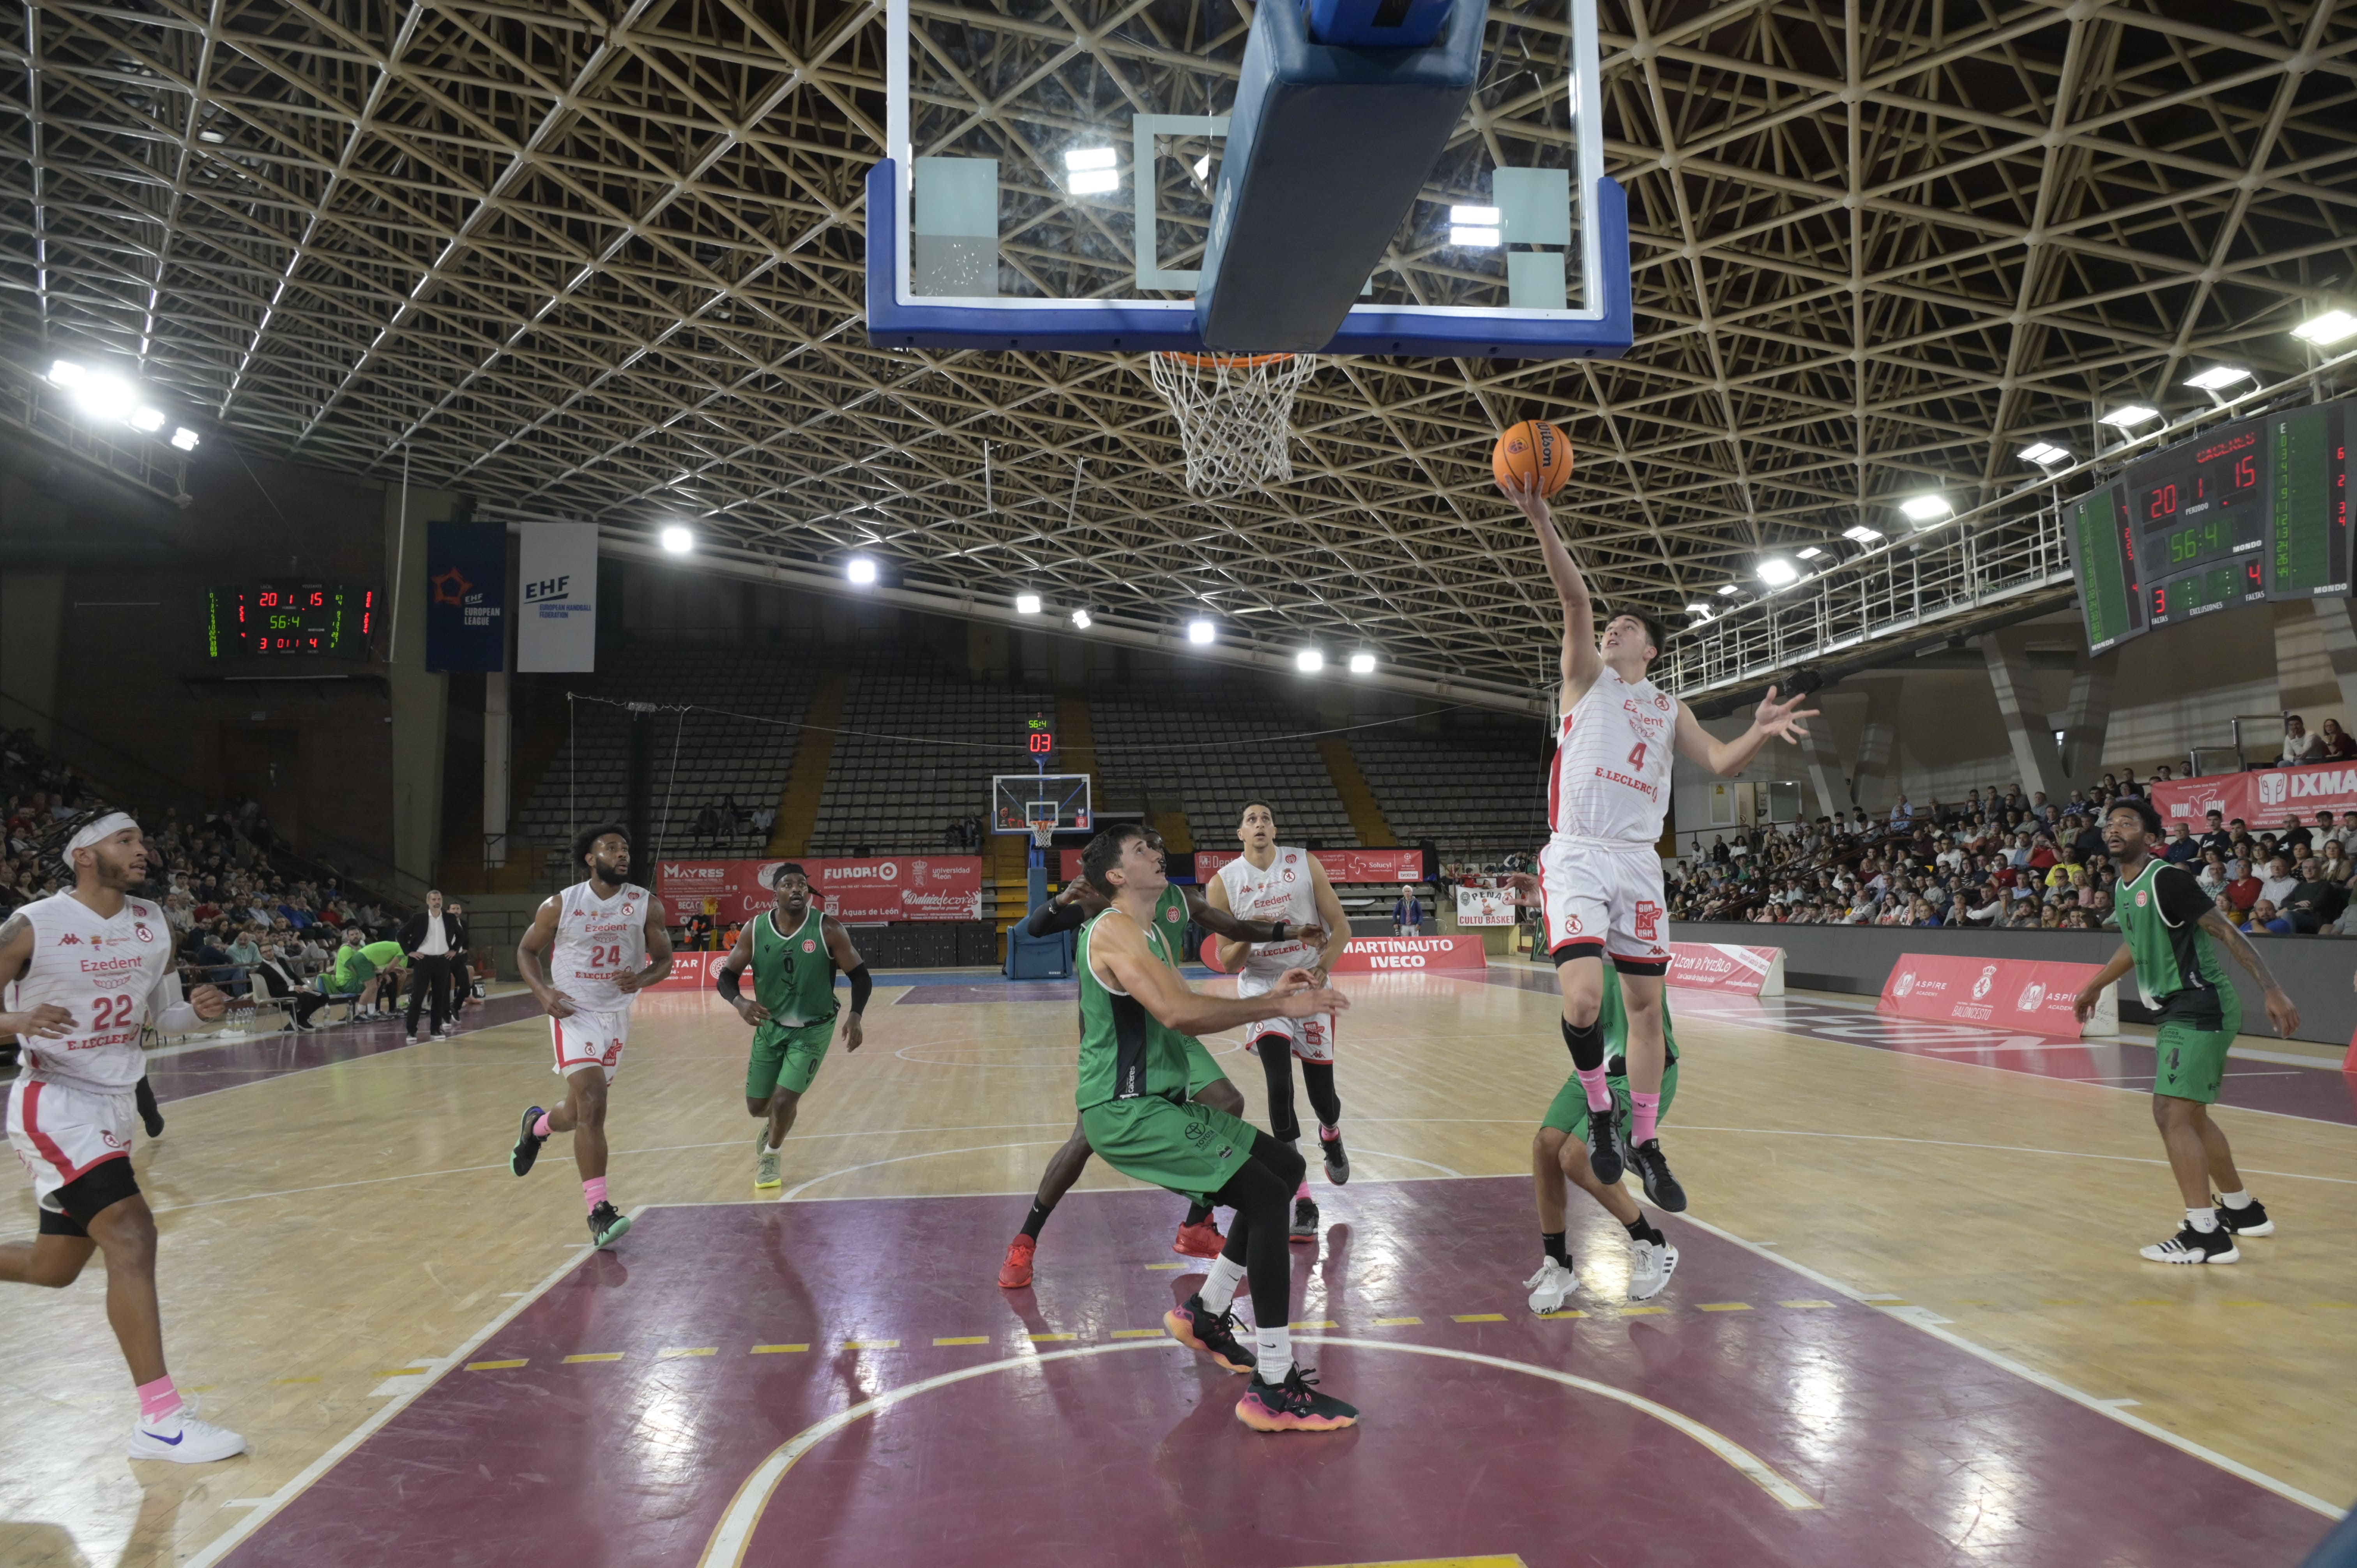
x,y
888,888
2263,798
2031,998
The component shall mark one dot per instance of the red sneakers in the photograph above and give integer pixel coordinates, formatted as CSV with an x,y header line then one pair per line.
x,y
1015,1272
1198,1328
1199,1240
1293,1406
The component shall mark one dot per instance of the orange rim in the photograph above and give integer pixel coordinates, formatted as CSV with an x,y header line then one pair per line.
x,y
1231,361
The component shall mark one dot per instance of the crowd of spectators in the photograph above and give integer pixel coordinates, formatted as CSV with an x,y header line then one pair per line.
x,y
245,916
2012,860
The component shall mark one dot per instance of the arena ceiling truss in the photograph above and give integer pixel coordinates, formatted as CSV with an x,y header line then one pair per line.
x,y
605,262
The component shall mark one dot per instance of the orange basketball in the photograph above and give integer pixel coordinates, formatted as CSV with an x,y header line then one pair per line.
x,y
1534,446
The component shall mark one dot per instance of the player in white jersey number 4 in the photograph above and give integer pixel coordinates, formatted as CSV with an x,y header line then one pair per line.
x,y
1600,873
84,974
604,941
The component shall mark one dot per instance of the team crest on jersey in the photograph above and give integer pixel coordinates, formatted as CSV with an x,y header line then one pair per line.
x,y
1291,858
2142,895
809,946
1171,915
627,908
1288,874
145,934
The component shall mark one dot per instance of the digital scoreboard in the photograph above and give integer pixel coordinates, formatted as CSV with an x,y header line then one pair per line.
x,y
289,618
2251,511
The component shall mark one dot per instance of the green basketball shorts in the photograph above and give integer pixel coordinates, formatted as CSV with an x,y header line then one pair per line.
x,y
2192,1060
1189,1148
786,1057
1568,1113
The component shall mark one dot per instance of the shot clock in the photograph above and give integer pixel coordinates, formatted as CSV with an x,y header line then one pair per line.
x,y
2253,510
284,618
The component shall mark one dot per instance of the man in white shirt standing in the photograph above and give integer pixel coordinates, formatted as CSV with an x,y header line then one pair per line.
x,y
429,939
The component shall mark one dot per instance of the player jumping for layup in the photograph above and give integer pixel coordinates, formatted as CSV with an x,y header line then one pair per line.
x,y
85,971
1068,910
793,950
1601,872
609,945
1135,1015
1270,882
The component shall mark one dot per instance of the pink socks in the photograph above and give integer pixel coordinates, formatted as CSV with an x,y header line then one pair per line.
x,y
593,1192
541,1128
1591,1079
1644,1124
158,1400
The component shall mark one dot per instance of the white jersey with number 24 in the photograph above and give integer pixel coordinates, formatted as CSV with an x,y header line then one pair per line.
x,y
1611,778
598,940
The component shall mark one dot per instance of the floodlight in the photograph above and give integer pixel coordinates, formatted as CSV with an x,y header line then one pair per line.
x,y
2325,330
1476,227
66,373
1362,663
1861,534
1082,620
860,570
148,420
1027,604
2045,453
2218,378
1200,632
1923,509
1776,572
1726,589
106,397
2128,418
1090,171
184,439
678,539
1309,661
1809,552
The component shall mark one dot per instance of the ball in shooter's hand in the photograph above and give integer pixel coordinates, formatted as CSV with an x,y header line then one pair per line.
x,y
1534,446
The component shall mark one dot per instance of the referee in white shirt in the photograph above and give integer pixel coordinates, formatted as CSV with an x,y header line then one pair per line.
x,y
430,939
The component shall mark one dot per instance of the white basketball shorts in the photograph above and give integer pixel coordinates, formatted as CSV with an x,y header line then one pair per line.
x,y
1311,1039
62,1133
590,1039
1604,898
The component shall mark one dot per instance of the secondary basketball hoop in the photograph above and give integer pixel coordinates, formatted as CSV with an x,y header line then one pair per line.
x,y
1234,413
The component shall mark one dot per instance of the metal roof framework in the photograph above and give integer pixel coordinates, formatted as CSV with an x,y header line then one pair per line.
x,y
605,262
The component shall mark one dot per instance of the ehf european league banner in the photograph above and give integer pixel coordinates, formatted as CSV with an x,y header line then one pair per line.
x,y
557,628
466,597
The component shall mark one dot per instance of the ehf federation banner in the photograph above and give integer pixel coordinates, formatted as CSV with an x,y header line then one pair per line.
x,y
882,888
466,597
557,626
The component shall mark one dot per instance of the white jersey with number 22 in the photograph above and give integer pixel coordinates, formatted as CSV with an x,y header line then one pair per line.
x,y
1611,778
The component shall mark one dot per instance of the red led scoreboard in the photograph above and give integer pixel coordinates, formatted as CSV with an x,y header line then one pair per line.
x,y
2253,511
286,618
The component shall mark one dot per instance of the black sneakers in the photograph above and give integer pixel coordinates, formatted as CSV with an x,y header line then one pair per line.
x,y
1293,1406
1652,1167
1604,1146
1304,1221
2191,1246
606,1225
527,1144
1198,1328
2249,1220
1338,1162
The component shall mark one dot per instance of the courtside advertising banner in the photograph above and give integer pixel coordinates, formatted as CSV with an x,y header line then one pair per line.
x,y
883,888
557,625
1341,864
1727,966
2262,799
2032,998
1486,907
691,970
1413,955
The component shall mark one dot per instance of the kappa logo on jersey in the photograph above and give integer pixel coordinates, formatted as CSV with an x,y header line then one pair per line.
x,y
1649,917
71,940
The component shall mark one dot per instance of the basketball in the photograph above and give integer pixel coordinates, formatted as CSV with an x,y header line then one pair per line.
x,y
1534,446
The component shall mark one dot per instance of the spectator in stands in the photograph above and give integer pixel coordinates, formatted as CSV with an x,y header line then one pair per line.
x,y
2242,887
1920,913
1902,812
953,834
2265,921
2294,840
2213,874
2276,886
280,975
765,818
2339,744
698,931
1407,915
2298,746
2335,863
2316,902
2085,837
2180,849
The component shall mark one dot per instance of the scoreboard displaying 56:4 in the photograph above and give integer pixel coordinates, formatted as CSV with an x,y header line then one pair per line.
x,y
285,617
2251,511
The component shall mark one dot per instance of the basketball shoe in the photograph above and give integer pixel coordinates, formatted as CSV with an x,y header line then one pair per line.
x,y
1651,1264
181,1438
2191,1246
765,1162
1015,1272
1551,1286
1652,1167
1292,1405
2251,1220
527,1144
1202,1240
1604,1134
607,1225
1198,1328
1304,1219
1338,1161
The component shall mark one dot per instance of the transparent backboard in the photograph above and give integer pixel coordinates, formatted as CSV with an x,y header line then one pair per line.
x,y
1052,165
1021,801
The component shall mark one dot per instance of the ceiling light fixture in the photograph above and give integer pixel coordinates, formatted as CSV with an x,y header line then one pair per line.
x,y
2326,329
1777,572
148,420
2217,378
1925,511
1200,632
2128,418
1810,552
1726,589
2045,453
861,571
1474,227
1861,534
1027,604
184,439
1082,620
66,373
1090,171
1362,663
678,539
1309,661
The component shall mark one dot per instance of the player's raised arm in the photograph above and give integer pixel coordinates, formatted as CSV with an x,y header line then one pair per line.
x,y
1118,951
1771,719
536,940
854,969
1581,662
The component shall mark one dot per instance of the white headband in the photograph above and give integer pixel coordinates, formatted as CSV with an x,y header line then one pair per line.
x,y
105,827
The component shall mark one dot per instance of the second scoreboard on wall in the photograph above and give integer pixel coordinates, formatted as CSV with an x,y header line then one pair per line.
x,y
2253,511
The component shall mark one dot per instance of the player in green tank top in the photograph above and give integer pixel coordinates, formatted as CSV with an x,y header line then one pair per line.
x,y
1198,1236
793,951
2172,935
1560,1150
1135,1013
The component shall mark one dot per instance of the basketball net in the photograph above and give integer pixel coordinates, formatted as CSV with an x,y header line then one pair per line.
x,y
1234,413
1043,835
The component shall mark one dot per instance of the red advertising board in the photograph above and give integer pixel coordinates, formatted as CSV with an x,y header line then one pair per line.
x,y
1725,966
1341,864
887,888
2031,998
690,972
2263,798
1394,955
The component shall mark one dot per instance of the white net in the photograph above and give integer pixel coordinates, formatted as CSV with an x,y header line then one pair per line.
x,y
1235,416
1043,835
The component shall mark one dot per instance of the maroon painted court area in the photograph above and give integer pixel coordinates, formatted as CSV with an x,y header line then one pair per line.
x,y
1918,1454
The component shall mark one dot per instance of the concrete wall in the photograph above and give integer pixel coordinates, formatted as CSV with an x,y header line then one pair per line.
x,y
2314,970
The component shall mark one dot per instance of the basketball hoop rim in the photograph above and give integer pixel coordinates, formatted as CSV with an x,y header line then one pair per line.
x,y
1224,362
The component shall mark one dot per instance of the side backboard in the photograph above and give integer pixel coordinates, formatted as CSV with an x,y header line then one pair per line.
x,y
1021,801
1051,168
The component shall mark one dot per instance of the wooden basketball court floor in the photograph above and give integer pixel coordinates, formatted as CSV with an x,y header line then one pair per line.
x,y
1910,1325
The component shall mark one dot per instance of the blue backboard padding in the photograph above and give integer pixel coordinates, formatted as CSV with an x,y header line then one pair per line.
x,y
1376,24
1138,327
1327,149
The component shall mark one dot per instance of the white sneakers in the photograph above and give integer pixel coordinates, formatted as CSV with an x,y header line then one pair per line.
x,y
1651,1264
181,1438
1551,1286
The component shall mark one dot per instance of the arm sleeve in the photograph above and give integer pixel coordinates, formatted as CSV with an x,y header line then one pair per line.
x,y
726,982
1049,918
862,986
2178,894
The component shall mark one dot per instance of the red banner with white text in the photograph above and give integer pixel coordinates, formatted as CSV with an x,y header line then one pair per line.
x,y
881,888
1392,955
690,972
2263,798
2033,998
1343,865
1725,966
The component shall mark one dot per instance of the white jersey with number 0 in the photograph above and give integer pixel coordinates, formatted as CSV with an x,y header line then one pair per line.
x,y
112,975
598,940
1285,890
1611,777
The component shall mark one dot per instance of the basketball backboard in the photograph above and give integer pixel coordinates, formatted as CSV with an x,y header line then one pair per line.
x,y
1052,166
1020,802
